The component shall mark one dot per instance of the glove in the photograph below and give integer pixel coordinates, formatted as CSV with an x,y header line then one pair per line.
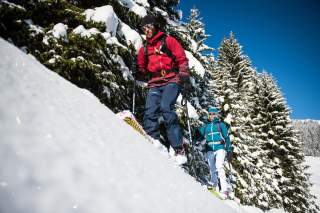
x,y
185,84
229,155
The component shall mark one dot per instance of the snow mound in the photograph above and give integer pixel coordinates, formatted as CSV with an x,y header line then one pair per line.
x,y
63,151
106,15
194,63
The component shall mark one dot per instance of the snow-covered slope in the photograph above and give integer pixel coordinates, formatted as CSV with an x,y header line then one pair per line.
x,y
314,170
62,151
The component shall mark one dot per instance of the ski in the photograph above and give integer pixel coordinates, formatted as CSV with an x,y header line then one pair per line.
x,y
130,119
229,197
215,193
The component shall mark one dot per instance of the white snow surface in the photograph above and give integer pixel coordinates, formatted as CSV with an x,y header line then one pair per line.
x,y
63,151
314,170
59,30
106,15
194,63
83,32
139,10
131,36
144,3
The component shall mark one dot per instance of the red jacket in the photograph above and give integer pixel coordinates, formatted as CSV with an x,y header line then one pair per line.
x,y
160,66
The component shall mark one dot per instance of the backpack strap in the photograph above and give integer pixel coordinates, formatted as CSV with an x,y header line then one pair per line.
x,y
163,48
219,127
220,130
146,59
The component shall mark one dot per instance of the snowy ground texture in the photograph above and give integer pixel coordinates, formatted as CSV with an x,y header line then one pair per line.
x,y
62,151
314,170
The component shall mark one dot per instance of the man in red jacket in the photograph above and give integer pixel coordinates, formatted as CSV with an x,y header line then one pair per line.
x,y
168,73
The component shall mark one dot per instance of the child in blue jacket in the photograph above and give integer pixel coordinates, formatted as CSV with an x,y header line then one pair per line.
x,y
217,143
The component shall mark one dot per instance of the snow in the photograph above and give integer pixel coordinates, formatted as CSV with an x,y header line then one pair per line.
x,y
160,11
226,107
192,112
194,45
194,63
228,119
106,15
12,5
139,10
84,32
63,151
34,28
314,170
112,40
180,14
131,36
59,30
124,69
144,3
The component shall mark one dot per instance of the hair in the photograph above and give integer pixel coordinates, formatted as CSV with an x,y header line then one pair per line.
x,y
157,20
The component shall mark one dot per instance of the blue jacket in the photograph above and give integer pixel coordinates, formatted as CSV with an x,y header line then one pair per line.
x,y
216,135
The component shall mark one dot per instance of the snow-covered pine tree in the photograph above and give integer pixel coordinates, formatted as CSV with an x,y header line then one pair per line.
x,y
89,47
269,195
208,99
234,88
196,29
309,135
286,151
264,192
166,8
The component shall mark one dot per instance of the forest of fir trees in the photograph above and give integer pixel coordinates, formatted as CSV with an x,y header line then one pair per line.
x,y
309,134
268,157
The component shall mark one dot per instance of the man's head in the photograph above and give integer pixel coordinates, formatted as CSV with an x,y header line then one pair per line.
x,y
213,113
149,26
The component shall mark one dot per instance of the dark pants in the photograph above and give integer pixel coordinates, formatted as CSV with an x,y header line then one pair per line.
x,y
161,101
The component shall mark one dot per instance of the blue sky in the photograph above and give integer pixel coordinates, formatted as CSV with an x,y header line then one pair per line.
x,y
280,36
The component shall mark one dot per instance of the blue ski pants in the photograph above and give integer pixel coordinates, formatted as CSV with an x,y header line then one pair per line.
x,y
161,102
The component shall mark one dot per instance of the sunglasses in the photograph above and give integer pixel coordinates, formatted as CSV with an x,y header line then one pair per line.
x,y
147,26
211,113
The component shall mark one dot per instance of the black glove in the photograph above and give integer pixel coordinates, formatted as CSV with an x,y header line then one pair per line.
x,y
186,87
229,155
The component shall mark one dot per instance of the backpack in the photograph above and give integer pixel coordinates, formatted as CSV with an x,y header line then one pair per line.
x,y
163,48
220,131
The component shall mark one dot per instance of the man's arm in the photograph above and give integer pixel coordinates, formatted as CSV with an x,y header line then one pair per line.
x,y
181,59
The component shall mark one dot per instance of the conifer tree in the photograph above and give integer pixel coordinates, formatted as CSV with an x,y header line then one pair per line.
x,y
285,149
269,194
208,97
88,61
233,80
196,29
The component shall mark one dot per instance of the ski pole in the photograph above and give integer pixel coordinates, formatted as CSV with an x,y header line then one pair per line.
x,y
231,174
133,71
134,96
184,103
